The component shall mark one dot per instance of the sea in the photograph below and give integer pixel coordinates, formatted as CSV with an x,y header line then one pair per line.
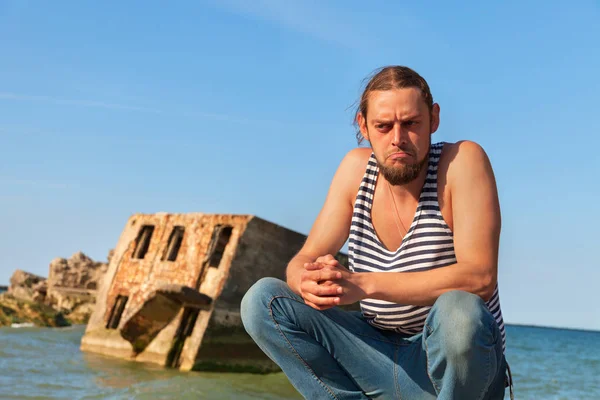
x,y
46,363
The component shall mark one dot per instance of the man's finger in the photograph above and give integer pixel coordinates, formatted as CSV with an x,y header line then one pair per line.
x,y
316,307
321,301
327,274
313,266
316,266
308,303
320,259
329,290
325,259
329,257
321,275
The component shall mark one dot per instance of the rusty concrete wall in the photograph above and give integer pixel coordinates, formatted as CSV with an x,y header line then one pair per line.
x,y
264,250
136,278
212,280
96,337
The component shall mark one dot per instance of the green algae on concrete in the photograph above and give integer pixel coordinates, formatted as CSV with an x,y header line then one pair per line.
x,y
17,311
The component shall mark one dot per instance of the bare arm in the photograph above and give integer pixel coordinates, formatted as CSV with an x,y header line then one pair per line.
x,y
476,220
332,226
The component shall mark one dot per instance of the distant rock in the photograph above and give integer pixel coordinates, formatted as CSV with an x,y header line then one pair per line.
x,y
18,311
69,293
78,272
81,312
40,290
72,285
22,283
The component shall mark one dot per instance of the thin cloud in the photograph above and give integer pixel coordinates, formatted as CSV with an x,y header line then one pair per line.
x,y
125,107
81,103
34,183
331,26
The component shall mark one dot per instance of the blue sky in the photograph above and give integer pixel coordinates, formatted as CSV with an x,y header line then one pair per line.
x,y
107,109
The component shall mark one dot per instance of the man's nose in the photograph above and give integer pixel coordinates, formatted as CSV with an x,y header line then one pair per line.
x,y
399,136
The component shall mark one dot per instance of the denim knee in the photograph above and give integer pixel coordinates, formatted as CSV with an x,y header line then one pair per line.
x,y
460,318
254,309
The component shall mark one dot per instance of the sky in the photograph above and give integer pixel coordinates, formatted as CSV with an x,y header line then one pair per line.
x,y
113,108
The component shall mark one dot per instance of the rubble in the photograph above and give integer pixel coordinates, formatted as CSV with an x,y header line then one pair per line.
x,y
16,311
22,284
69,291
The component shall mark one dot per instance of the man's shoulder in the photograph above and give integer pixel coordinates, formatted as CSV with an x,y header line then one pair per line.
x,y
357,157
460,159
354,164
461,154
350,172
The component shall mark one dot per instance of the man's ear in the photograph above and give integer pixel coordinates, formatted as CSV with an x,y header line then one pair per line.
x,y
362,126
435,117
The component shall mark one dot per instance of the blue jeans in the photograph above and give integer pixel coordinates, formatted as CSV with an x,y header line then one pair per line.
x,y
337,354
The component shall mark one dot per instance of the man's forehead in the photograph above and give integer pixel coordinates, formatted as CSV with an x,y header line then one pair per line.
x,y
405,108
407,100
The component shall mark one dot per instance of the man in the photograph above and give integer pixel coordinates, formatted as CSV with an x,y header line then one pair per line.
x,y
423,223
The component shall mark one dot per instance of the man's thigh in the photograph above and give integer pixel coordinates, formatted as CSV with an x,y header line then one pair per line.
x,y
382,363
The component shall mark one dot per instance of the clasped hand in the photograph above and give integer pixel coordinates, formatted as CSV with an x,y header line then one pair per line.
x,y
325,283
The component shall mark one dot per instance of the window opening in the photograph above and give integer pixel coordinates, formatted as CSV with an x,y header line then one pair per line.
x,y
174,244
117,312
143,241
220,239
185,329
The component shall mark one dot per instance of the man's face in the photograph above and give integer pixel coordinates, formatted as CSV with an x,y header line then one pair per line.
x,y
399,127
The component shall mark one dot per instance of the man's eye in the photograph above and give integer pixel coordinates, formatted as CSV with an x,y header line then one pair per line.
x,y
410,123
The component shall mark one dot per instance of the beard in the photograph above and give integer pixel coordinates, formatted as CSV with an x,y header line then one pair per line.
x,y
403,174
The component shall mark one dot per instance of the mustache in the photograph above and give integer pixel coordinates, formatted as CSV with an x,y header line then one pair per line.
x,y
410,150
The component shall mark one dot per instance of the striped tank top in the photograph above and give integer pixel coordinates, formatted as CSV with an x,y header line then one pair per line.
x,y
428,244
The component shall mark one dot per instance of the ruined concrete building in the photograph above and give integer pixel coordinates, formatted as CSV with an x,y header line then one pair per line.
x,y
172,291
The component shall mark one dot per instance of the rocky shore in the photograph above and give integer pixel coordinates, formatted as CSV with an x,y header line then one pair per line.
x,y
15,311
66,297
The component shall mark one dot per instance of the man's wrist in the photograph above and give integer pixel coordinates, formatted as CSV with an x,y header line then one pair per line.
x,y
364,280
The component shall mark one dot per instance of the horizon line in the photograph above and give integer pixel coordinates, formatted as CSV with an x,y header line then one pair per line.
x,y
566,328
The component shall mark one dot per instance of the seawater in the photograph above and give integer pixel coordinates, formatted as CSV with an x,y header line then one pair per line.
x,y
44,363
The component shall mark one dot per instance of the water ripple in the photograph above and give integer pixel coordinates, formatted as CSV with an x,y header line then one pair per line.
x,y
40,363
